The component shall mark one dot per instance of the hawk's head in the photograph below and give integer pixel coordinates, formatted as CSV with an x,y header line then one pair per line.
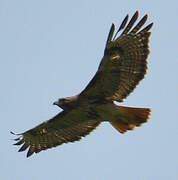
x,y
66,103
62,103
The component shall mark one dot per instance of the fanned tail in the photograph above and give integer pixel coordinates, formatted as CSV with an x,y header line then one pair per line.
x,y
130,117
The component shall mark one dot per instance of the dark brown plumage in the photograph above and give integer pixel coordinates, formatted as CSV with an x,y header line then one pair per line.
x,y
123,66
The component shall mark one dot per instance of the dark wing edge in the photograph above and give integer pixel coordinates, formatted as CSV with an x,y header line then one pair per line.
x,y
54,132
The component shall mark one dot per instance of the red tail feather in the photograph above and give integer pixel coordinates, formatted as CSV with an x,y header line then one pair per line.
x,y
130,117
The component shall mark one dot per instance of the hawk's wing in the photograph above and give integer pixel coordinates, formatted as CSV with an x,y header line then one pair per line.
x,y
67,126
124,63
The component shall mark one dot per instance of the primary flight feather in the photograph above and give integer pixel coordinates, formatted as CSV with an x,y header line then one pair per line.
x,y
122,67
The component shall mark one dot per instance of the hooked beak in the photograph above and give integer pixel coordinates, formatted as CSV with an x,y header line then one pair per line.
x,y
55,103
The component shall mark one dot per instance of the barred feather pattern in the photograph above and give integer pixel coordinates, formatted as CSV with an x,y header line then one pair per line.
x,y
124,63
60,129
133,63
134,50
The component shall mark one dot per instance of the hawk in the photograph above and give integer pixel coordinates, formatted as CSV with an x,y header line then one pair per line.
x,y
122,67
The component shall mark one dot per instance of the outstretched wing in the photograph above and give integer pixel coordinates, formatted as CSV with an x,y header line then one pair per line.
x,y
124,63
67,126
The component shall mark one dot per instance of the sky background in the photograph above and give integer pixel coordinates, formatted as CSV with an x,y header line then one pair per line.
x,y
51,49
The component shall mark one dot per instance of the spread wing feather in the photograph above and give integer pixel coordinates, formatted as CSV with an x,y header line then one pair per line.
x,y
67,126
131,23
124,63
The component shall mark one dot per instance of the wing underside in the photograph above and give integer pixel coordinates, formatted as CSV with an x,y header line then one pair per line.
x,y
124,63
63,128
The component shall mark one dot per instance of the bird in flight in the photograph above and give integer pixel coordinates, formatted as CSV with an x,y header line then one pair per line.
x,y
122,67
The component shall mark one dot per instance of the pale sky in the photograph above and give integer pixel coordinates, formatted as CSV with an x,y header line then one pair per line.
x,y
51,49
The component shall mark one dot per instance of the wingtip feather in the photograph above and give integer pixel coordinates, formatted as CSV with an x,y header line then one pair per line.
x,y
30,151
111,32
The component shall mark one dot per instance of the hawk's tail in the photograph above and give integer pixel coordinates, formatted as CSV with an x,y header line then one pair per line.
x,y
130,117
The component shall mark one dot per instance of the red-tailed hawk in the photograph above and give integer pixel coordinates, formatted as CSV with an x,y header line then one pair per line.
x,y
123,65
